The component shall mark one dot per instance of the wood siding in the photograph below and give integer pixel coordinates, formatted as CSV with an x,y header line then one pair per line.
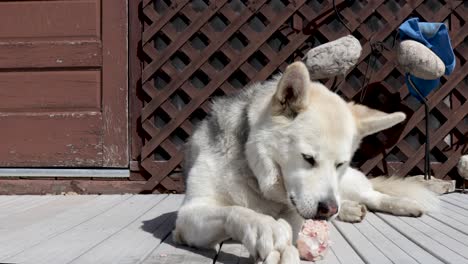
x,y
63,83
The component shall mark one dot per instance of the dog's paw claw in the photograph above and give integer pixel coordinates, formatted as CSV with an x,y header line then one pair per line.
x,y
289,255
267,236
273,258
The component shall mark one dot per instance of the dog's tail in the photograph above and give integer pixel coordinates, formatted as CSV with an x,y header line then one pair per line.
x,y
407,188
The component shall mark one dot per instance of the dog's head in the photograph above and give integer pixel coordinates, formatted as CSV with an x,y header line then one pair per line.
x,y
313,135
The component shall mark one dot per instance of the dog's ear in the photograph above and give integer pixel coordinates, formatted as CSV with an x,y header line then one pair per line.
x,y
370,121
292,92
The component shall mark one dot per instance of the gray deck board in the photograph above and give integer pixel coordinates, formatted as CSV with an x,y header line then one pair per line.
x,y
232,252
442,238
413,250
329,258
87,234
161,234
127,229
462,197
42,211
450,209
7,199
13,243
169,252
452,221
385,245
429,243
445,229
23,204
342,249
452,199
130,244
365,248
8,203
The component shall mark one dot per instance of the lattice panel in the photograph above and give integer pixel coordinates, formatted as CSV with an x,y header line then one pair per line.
x,y
194,50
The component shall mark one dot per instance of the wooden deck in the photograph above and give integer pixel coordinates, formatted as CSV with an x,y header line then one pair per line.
x,y
136,229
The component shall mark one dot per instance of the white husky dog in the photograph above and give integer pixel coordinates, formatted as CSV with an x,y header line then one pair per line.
x,y
279,153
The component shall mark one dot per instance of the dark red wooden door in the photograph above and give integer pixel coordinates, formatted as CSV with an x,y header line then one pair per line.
x,y
63,83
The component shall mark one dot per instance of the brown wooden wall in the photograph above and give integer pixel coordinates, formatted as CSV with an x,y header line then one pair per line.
x,y
185,52
63,83
64,92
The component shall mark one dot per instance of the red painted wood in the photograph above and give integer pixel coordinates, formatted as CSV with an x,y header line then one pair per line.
x,y
135,104
63,83
50,19
115,83
51,139
50,54
79,186
46,91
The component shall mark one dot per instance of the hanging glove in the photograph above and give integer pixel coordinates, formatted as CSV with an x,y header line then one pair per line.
x,y
434,36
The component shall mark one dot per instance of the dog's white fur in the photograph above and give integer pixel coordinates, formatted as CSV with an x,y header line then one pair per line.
x,y
247,178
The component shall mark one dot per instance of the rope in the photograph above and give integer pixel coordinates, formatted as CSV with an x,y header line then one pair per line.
x,y
338,16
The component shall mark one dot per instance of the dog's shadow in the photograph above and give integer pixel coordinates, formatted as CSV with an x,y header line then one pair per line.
x,y
161,228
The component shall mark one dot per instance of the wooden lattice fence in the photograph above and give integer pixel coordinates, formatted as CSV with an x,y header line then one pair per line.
x,y
190,51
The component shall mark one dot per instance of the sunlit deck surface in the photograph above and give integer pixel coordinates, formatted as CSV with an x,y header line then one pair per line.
x,y
137,229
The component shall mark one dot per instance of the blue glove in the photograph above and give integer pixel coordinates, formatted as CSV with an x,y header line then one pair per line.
x,y
435,36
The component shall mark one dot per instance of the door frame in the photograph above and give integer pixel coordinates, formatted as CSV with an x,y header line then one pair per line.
x,y
115,83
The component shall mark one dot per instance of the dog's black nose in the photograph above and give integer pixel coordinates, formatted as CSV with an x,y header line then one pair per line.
x,y
326,209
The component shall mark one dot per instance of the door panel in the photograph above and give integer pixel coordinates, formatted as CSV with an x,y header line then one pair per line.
x,y
50,54
50,19
51,139
63,83
65,90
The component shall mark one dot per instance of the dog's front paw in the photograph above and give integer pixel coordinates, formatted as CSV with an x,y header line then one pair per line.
x,y
290,255
352,211
264,236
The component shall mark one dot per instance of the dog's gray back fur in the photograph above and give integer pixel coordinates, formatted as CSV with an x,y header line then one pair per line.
x,y
225,128
221,138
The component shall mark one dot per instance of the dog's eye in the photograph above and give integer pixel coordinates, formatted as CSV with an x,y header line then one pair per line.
x,y
338,165
309,159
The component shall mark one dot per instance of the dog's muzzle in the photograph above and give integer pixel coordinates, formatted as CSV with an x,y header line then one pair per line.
x,y
326,209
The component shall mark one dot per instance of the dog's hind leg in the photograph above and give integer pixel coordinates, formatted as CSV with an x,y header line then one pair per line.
x,y
205,224
357,190
377,201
